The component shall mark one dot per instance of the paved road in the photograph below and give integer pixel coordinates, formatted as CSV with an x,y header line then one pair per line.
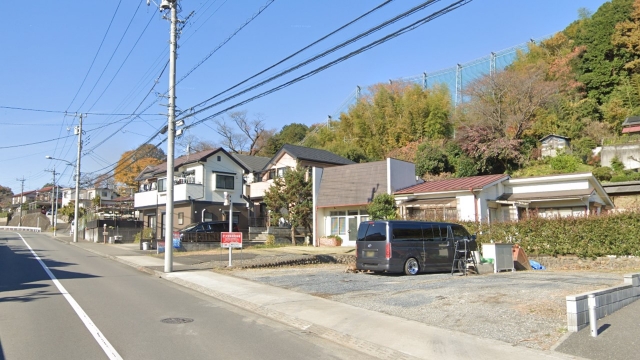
x,y
98,308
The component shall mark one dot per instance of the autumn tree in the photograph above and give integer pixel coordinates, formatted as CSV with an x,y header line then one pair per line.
x,y
243,135
291,196
501,109
132,162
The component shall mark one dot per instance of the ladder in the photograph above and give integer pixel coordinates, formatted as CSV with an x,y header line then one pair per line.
x,y
463,257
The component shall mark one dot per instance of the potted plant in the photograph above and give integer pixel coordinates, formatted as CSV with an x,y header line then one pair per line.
x,y
331,240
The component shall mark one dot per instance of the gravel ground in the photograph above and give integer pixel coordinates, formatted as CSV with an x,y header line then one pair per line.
x,y
522,308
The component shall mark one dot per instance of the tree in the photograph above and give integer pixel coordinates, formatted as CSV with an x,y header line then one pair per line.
x,y
291,196
6,195
502,109
132,162
431,159
382,207
249,138
290,134
69,210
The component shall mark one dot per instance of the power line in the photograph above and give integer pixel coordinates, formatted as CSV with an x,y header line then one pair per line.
x,y
299,51
319,56
67,113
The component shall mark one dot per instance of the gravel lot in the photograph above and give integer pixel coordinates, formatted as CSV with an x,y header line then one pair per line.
x,y
522,308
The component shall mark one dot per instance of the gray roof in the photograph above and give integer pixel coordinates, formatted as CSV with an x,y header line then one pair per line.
x,y
310,154
620,188
547,195
253,163
631,120
354,184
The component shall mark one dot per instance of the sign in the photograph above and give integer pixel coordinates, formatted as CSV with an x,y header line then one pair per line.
x,y
231,240
176,239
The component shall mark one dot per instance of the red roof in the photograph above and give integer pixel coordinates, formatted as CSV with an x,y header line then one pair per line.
x,y
631,129
467,183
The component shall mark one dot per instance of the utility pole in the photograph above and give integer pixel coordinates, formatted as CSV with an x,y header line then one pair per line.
x,y
21,198
171,127
54,197
78,131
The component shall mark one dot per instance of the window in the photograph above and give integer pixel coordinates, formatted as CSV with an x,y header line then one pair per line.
x,y
162,185
281,172
224,181
180,218
407,232
272,174
459,232
104,194
219,158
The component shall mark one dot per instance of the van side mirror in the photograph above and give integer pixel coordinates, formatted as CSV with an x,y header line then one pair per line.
x,y
473,237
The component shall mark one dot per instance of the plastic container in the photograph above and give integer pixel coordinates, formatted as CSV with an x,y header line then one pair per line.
x,y
145,246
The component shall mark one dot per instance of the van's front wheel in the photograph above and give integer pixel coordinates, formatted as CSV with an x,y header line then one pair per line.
x,y
411,267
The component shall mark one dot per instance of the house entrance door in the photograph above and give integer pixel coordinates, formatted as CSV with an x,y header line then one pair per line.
x,y
353,227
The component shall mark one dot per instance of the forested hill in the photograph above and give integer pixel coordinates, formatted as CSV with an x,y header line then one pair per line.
x,y
581,83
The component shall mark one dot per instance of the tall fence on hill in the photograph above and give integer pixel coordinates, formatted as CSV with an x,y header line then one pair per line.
x,y
456,78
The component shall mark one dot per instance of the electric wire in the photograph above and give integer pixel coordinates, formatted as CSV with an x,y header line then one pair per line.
x,y
319,56
299,51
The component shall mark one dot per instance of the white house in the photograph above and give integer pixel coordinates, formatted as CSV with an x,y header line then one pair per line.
x,y
341,194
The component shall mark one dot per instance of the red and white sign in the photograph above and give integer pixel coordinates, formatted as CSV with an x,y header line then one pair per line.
x,y
231,240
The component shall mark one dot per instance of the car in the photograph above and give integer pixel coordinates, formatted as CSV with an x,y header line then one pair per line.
x,y
193,231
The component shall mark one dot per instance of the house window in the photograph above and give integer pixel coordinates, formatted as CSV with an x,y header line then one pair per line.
x,y
162,185
180,218
224,181
281,172
338,221
219,158
272,174
104,194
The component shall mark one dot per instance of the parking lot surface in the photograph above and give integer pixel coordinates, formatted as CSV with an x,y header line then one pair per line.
x,y
523,308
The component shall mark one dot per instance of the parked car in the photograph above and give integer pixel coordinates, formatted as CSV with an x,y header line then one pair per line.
x,y
409,246
193,231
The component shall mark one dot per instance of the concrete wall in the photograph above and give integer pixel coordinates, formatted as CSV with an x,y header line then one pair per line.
x,y
608,301
626,153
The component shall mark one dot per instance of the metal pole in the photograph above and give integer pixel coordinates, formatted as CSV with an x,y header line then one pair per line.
x,y
593,317
230,224
55,213
53,193
76,210
168,235
21,199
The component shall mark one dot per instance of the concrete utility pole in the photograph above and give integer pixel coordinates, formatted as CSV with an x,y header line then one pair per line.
x,y
54,197
78,131
21,198
171,127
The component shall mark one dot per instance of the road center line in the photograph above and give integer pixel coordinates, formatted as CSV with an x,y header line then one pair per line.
x,y
93,329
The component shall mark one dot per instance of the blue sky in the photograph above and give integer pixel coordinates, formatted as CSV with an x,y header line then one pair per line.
x,y
48,48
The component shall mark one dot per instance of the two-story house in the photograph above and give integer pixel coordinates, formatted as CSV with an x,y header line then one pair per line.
x,y
36,199
200,181
289,156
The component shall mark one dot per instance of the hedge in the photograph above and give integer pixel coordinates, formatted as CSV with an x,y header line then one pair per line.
x,y
587,237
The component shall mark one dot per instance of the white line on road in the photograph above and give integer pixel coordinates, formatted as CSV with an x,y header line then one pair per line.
x,y
93,329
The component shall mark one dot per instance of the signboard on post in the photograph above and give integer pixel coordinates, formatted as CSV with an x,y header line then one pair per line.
x,y
231,240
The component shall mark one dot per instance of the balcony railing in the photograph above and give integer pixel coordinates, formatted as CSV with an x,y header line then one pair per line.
x,y
181,192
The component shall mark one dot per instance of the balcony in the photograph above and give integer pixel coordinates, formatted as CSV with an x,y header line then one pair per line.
x,y
181,192
257,189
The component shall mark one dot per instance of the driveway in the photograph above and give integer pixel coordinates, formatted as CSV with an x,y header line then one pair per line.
x,y
522,308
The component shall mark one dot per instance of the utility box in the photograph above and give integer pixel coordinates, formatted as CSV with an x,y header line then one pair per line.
x,y
502,255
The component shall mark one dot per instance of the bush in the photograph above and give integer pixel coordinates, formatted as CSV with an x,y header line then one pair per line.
x,y
565,163
584,236
603,173
147,233
338,239
271,240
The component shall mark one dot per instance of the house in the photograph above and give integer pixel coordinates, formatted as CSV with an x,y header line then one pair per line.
x,y
86,196
37,199
626,149
461,199
624,195
254,165
502,198
200,181
631,125
341,194
289,156
552,145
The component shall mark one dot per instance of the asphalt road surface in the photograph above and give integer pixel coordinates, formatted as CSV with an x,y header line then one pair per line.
x,y
60,302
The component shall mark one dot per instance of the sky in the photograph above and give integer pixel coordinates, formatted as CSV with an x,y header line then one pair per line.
x,y
105,60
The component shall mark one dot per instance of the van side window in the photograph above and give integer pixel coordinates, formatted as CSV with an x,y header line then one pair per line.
x,y
362,230
376,232
445,232
407,232
459,232
427,233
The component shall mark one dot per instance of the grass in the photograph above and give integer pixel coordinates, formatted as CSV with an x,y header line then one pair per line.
x,y
545,169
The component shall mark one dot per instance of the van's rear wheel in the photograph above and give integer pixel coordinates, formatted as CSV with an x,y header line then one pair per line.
x,y
411,267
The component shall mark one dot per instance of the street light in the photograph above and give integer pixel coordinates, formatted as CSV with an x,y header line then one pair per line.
x,y
76,208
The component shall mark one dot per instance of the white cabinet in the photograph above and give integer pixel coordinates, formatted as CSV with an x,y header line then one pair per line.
x,y
502,255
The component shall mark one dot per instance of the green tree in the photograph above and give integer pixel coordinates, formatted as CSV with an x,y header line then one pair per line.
x,y
382,207
69,210
431,159
290,134
291,196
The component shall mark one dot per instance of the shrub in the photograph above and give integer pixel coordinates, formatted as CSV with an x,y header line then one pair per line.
x,y
584,236
147,233
565,163
338,239
603,173
271,240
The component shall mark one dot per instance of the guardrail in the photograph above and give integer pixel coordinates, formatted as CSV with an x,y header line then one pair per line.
x,y
20,228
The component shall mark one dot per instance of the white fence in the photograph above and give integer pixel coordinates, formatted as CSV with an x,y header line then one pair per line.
x,y
20,228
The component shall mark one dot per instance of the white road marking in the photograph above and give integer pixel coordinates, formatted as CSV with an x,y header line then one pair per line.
x,y
93,329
